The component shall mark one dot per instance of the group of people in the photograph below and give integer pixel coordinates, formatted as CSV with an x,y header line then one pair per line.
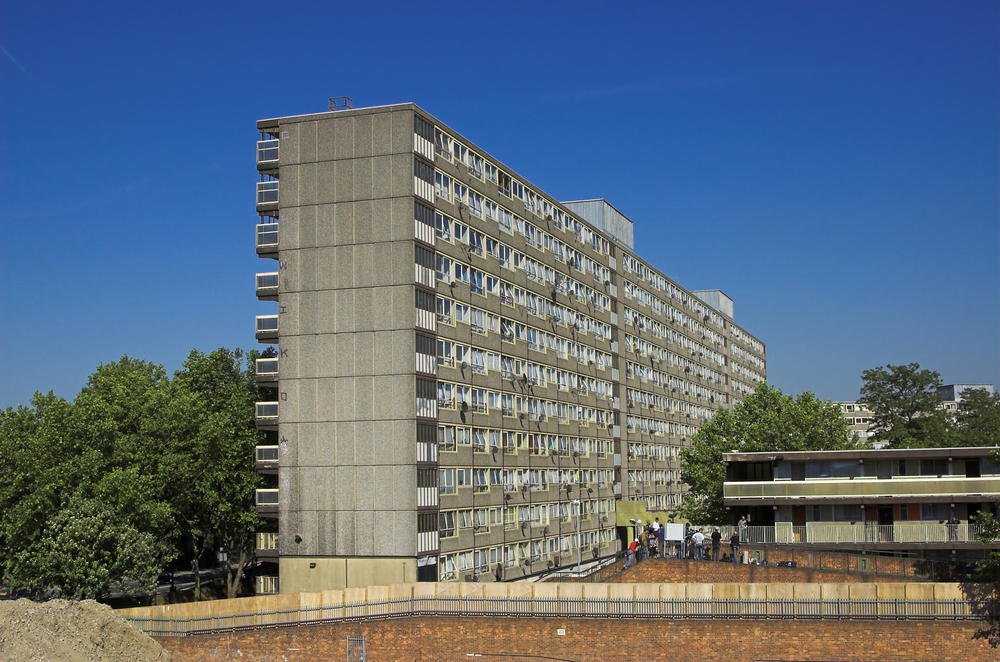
x,y
650,543
696,546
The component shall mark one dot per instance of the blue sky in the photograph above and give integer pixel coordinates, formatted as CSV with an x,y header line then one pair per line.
x,y
833,167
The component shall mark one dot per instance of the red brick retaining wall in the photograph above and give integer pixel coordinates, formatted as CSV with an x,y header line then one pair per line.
x,y
439,639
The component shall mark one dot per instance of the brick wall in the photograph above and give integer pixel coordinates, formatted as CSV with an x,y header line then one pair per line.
x,y
601,640
672,571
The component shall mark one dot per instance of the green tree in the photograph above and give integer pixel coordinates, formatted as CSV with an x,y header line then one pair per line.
x,y
85,551
214,497
977,421
766,420
135,461
905,406
63,460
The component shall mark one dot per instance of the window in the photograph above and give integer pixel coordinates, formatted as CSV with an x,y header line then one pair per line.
x,y
937,467
503,183
448,567
446,437
442,185
935,511
442,227
475,204
446,395
442,144
444,310
446,524
445,352
463,477
446,481
479,440
848,513
476,282
475,163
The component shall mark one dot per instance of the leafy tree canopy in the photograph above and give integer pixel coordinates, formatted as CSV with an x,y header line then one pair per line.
x,y
977,422
766,420
905,406
134,462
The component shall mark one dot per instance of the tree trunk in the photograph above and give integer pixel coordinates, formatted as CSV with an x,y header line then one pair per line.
x,y
196,568
234,576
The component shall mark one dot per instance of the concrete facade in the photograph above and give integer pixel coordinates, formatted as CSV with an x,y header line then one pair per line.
x,y
467,368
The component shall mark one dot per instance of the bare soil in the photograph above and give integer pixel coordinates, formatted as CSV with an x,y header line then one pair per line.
x,y
65,631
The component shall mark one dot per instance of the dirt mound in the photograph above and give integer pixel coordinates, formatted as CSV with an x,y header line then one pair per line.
x,y
64,631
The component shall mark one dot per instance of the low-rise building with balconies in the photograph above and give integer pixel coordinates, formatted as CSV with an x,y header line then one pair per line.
x,y
911,500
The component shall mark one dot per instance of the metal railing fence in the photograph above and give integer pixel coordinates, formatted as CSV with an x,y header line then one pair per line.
x,y
465,606
850,532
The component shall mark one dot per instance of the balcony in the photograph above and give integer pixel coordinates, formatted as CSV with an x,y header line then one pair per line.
x,y
267,154
267,286
267,328
868,490
267,459
267,415
266,372
267,546
267,195
267,240
267,503
265,585
915,535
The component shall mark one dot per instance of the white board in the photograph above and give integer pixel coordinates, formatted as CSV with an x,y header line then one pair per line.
x,y
673,532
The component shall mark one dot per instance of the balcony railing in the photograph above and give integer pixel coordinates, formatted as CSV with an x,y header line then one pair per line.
x,y
267,286
267,502
266,459
267,151
847,489
265,585
901,533
266,371
267,192
267,328
267,415
267,545
267,238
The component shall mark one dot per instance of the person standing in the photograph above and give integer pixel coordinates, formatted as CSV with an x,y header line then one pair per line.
x,y
734,546
743,529
699,545
953,523
631,552
716,544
